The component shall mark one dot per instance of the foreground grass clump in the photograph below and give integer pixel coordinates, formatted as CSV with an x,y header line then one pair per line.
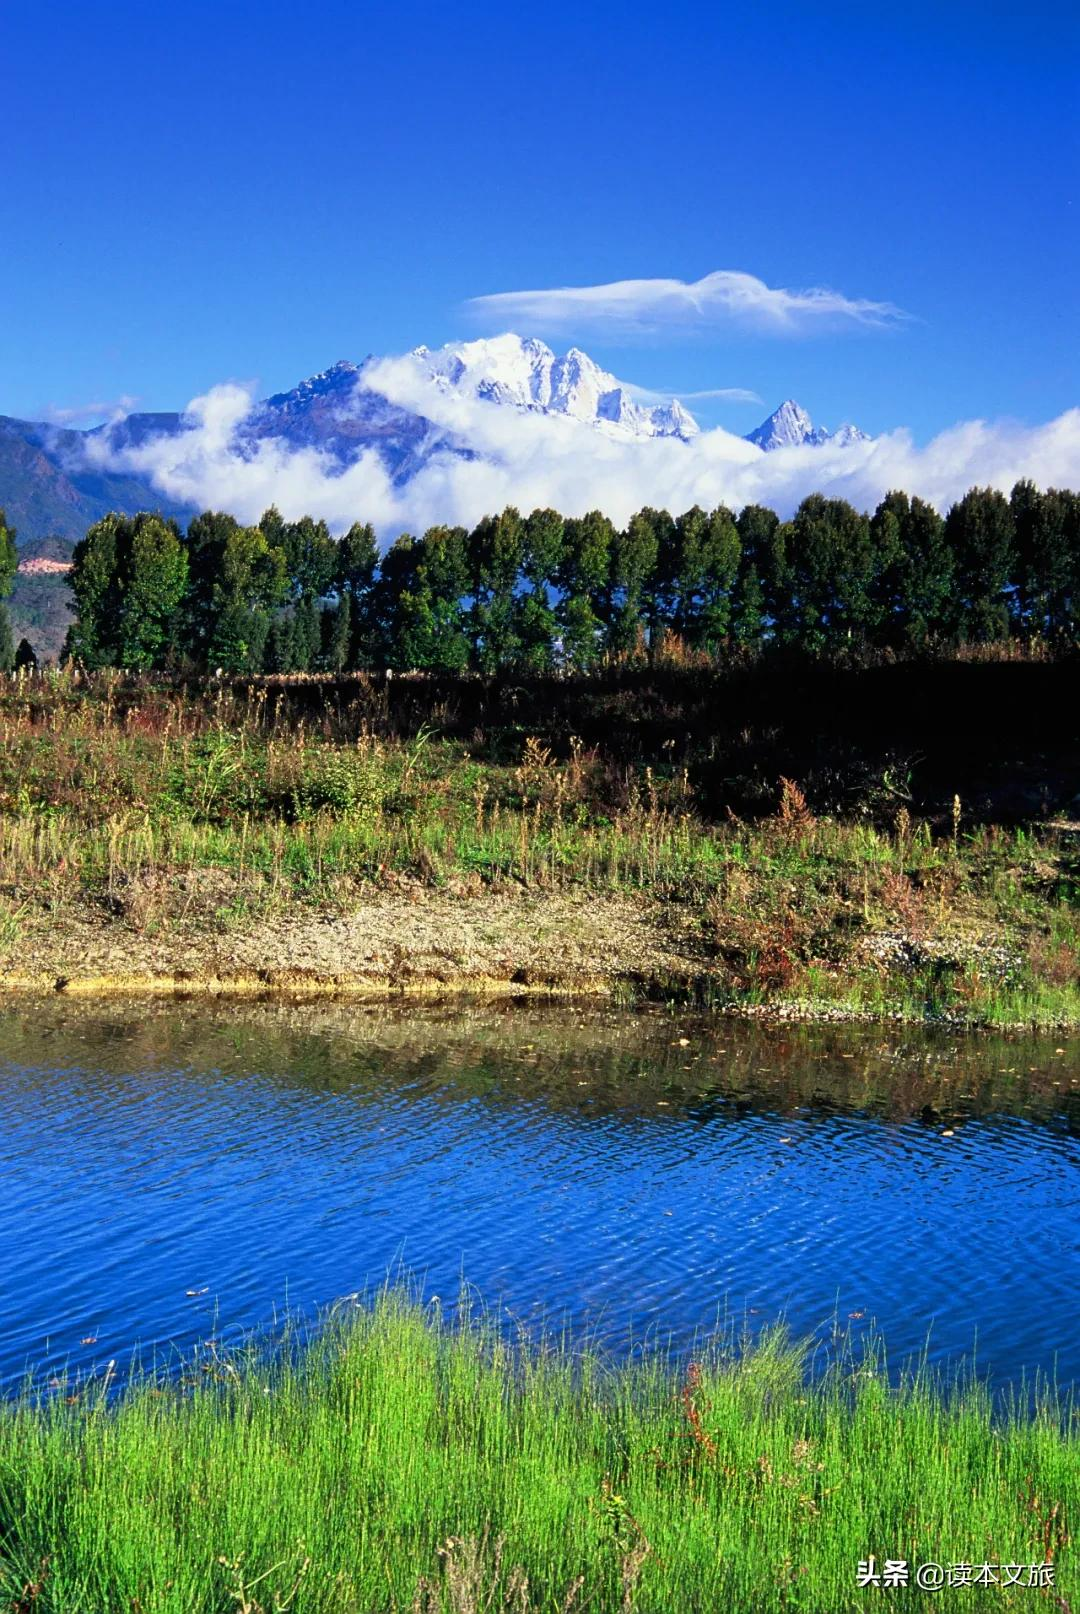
x,y
398,1463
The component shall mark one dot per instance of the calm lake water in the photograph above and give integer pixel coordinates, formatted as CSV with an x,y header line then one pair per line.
x,y
168,1171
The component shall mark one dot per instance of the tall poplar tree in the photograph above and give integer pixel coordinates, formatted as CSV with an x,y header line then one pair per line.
x,y
707,565
129,576
980,532
238,579
496,550
358,561
337,635
658,593
830,574
436,612
759,585
914,582
583,580
535,622
1046,560
634,553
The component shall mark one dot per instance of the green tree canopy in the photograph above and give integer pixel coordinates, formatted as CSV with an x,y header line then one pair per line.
x,y
828,575
129,576
496,552
915,568
238,580
980,531
1047,559
534,626
583,577
634,553
533,593
708,553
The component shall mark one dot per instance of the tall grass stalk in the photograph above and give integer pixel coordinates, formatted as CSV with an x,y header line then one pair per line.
x,y
397,1462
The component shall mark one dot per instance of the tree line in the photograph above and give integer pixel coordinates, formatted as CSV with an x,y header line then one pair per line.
x,y
544,591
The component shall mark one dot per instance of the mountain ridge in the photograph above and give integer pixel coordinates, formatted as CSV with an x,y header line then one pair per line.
x,y
60,479
789,426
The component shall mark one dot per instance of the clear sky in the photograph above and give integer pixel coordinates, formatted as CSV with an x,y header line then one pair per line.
x,y
202,191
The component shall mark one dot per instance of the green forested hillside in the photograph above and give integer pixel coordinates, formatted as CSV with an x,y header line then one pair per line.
x,y
40,604
46,487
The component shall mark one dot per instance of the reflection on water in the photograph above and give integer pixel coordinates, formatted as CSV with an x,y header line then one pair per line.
x,y
169,1169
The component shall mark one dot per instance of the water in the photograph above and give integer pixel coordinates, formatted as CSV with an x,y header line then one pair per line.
x,y
172,1171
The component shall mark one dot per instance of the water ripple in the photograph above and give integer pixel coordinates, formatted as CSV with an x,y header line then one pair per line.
x,y
160,1174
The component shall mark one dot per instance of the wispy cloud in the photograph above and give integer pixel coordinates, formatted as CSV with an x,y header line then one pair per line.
x,y
726,297
728,394
650,395
91,413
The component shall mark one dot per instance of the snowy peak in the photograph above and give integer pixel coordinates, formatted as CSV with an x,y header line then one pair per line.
x,y
526,374
502,369
791,427
673,420
786,427
847,434
340,379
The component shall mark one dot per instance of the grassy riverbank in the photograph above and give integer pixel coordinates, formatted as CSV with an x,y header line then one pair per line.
x,y
151,831
400,1464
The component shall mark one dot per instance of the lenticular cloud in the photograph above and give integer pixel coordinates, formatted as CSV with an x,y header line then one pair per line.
x,y
725,297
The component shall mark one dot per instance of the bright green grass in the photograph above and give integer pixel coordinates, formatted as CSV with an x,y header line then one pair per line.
x,y
328,1481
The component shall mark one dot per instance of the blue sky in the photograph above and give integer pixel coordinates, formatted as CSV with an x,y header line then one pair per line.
x,y
220,191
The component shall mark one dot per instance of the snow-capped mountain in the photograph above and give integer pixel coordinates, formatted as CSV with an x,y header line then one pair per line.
x,y
791,427
348,409
528,375
339,414
58,481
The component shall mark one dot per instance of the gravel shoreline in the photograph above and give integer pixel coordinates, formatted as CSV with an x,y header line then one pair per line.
x,y
425,943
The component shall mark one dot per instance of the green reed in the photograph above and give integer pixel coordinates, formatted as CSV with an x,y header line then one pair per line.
x,y
395,1462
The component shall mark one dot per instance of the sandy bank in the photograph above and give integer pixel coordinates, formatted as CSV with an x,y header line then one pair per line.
x,y
416,941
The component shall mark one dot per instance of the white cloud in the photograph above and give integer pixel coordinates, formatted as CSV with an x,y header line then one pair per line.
x,y
530,459
729,394
86,414
726,297
650,395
